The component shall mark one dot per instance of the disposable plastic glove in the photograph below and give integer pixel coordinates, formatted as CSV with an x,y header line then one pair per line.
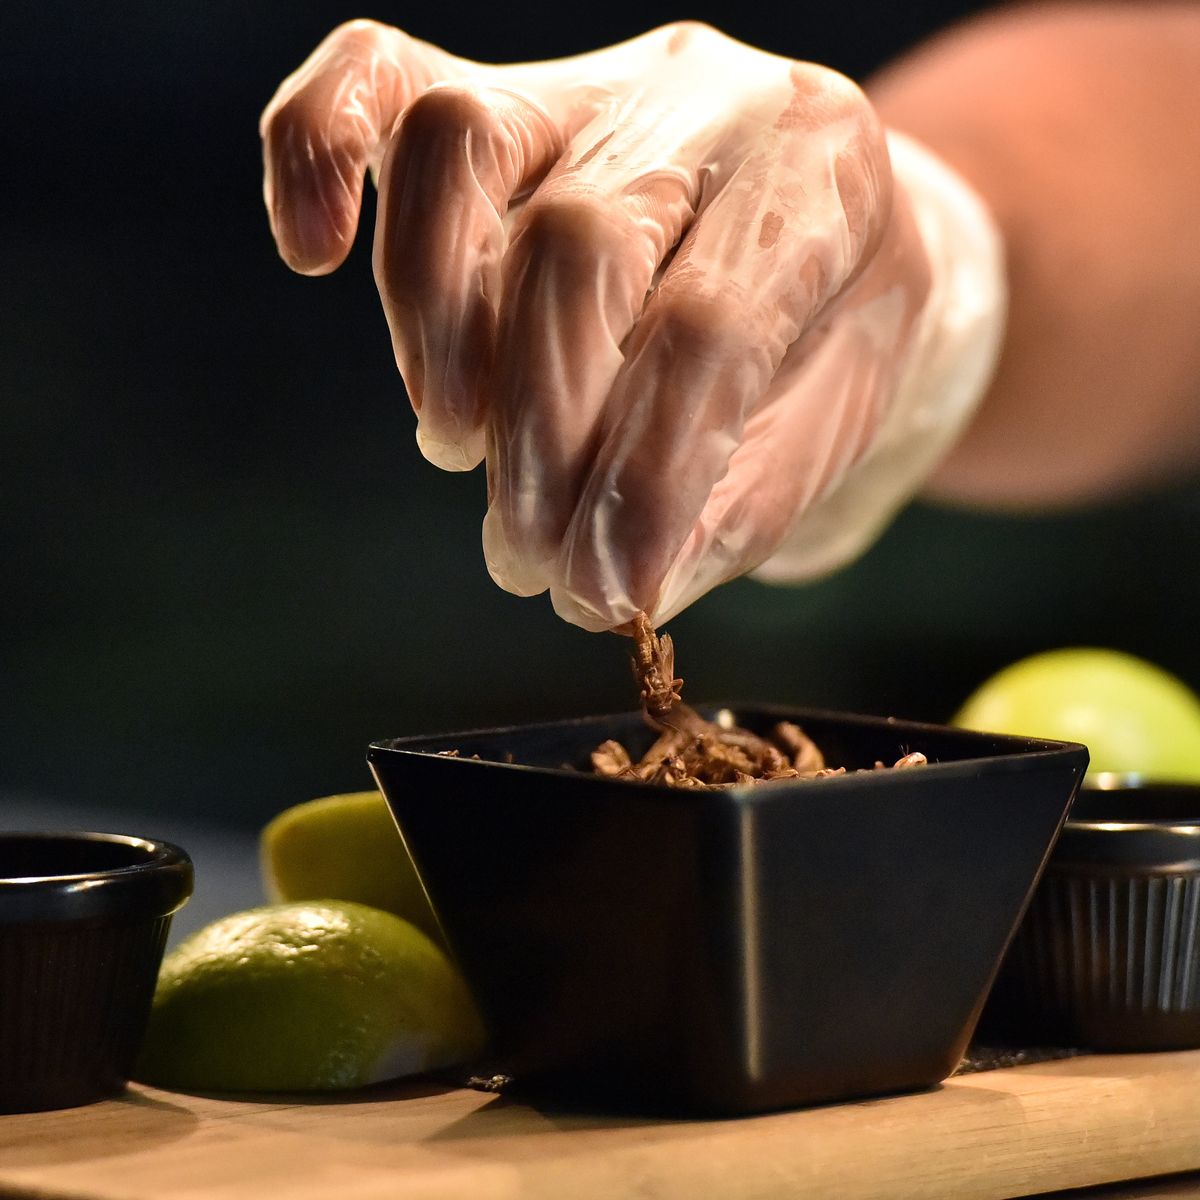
x,y
698,310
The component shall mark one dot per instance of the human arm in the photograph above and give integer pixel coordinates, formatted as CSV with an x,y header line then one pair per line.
x,y
1080,126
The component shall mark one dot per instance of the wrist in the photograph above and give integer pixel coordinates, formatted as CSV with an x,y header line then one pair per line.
x,y
946,370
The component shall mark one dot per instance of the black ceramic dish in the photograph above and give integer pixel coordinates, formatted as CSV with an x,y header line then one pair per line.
x,y
1108,956
83,922
729,951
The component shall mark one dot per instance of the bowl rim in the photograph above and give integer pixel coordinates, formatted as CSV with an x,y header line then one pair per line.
x,y
157,886
1022,748
1133,783
1184,828
160,853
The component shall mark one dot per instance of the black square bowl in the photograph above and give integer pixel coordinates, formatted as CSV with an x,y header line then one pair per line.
x,y
728,951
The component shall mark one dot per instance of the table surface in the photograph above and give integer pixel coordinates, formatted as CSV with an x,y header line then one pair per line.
x,y
1033,1129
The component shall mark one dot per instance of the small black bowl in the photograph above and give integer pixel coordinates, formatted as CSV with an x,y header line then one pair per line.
x,y
83,922
1108,956
728,951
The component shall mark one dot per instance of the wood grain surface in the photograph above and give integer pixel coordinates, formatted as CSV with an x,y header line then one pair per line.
x,y
1026,1130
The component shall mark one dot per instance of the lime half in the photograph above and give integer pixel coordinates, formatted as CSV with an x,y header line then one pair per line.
x,y
1133,716
345,848
308,996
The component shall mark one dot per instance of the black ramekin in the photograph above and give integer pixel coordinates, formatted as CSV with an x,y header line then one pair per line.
x,y
83,922
1108,955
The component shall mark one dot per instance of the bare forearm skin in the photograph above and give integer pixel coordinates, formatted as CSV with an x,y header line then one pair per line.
x,y
1080,125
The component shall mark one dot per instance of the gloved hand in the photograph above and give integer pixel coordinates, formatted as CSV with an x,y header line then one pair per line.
x,y
698,310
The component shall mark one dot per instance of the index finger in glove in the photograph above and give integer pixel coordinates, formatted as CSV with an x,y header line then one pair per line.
x,y
323,127
790,227
822,415
825,408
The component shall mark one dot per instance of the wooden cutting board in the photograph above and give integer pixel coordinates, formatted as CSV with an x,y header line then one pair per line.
x,y
996,1134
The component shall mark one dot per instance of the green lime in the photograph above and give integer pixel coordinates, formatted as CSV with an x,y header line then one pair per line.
x,y
304,997
1132,716
344,848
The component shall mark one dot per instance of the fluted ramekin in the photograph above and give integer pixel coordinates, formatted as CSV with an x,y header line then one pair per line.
x,y
1108,955
83,922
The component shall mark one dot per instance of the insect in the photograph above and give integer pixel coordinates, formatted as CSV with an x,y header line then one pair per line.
x,y
654,670
690,751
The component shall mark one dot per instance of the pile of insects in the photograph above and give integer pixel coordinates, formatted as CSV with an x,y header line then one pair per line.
x,y
691,752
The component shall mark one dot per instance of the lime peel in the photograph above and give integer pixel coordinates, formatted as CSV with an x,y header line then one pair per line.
x,y
303,997
344,847
1133,716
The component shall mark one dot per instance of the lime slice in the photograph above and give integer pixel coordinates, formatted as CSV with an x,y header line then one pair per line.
x,y
303,997
1134,717
344,848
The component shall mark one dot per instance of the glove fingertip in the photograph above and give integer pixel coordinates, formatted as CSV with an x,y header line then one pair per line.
x,y
576,611
464,454
309,242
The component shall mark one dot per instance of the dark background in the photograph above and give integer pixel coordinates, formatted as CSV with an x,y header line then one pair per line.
x,y
227,567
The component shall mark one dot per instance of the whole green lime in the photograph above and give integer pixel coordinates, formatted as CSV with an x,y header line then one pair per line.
x,y
303,997
344,847
1132,715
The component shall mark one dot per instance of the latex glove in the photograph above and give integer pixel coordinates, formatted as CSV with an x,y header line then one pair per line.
x,y
672,290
